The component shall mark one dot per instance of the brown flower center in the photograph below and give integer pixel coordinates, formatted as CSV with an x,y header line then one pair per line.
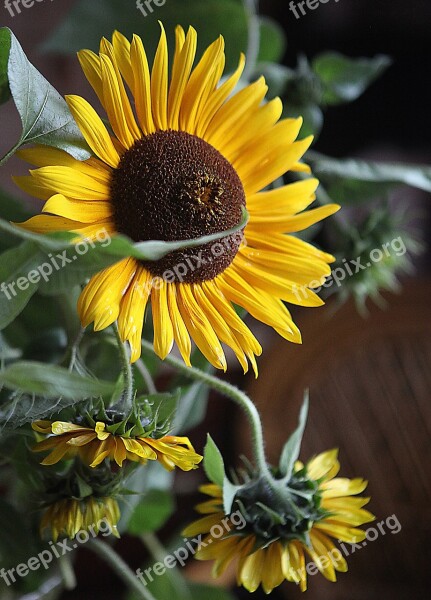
x,y
173,186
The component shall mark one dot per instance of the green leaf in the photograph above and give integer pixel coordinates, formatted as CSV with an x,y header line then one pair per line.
x,y
87,22
292,447
45,116
354,191
15,264
418,176
213,462
5,42
52,382
191,408
272,40
152,512
345,79
12,209
209,592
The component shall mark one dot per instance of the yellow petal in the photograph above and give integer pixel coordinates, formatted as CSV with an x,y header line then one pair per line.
x,y
117,104
163,330
142,85
84,211
93,130
71,183
159,83
132,310
182,66
101,297
200,328
181,335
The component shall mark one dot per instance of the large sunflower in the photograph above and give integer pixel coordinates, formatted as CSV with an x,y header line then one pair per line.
x,y
268,553
181,162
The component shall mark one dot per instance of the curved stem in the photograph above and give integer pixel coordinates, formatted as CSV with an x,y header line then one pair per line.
x,y
127,371
232,392
119,567
159,553
143,370
251,7
67,572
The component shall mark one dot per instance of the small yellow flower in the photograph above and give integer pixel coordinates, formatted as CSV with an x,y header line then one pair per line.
x,y
282,556
65,518
182,157
93,445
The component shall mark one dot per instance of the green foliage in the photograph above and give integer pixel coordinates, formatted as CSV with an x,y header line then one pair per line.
x,y
5,43
56,386
344,79
45,116
152,512
324,167
213,462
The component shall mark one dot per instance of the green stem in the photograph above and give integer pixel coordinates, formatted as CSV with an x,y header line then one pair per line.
x,y
143,370
232,392
159,553
67,573
119,567
9,154
127,371
251,7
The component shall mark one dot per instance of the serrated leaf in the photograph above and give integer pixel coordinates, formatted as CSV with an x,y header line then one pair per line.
x,y
152,512
5,42
213,462
292,447
164,406
45,116
52,382
418,176
345,79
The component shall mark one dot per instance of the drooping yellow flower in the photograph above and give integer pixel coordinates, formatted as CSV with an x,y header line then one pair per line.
x,y
269,557
182,161
67,517
93,445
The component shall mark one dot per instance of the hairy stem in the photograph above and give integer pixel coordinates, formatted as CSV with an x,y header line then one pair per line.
x,y
127,371
232,392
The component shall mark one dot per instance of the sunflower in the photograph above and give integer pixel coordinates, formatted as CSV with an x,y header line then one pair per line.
x,y
69,516
268,553
181,161
94,444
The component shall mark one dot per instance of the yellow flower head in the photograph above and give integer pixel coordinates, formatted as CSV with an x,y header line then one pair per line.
x,y
67,517
268,551
94,444
181,160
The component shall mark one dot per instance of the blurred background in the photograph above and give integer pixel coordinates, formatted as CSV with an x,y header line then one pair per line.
x,y
369,376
